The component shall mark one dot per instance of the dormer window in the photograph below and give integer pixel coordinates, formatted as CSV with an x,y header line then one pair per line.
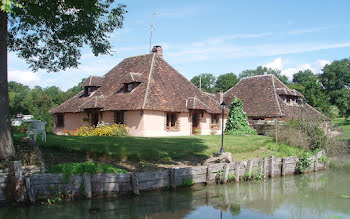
x,y
128,87
89,89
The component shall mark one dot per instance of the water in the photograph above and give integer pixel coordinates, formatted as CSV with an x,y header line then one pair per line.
x,y
315,195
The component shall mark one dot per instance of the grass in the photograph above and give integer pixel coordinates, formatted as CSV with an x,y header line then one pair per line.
x,y
344,125
69,169
167,149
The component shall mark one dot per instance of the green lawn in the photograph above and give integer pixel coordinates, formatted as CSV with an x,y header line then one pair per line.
x,y
345,126
165,149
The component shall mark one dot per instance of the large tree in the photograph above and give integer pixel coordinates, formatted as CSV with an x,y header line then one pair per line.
x,y
206,81
260,70
226,81
306,82
335,79
49,35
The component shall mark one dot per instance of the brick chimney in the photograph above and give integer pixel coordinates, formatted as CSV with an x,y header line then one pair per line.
x,y
158,50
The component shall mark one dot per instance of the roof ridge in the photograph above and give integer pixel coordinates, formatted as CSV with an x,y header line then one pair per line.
x,y
275,94
148,82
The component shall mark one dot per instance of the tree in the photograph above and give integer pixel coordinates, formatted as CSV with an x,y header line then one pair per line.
x,y
307,83
74,90
261,71
207,82
226,81
49,35
335,79
237,120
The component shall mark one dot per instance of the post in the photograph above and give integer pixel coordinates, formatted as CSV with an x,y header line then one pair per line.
x,y
226,171
271,167
208,174
135,184
250,167
316,163
15,181
284,166
30,190
237,167
222,105
265,167
173,179
87,185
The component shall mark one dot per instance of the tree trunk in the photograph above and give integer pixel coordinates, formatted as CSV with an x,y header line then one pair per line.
x,y
7,150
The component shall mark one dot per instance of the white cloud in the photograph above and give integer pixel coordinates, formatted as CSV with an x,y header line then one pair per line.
x,y
280,64
275,64
25,77
308,30
322,62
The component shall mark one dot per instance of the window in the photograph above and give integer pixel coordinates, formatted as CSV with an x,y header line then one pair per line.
x,y
128,87
89,89
60,120
119,117
214,120
171,120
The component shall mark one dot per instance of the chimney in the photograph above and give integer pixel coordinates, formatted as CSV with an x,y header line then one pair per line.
x,y
158,51
220,96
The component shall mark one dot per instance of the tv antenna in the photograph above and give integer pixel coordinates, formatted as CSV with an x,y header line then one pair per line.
x,y
152,28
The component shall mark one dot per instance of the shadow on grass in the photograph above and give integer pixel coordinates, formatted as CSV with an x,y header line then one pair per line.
x,y
131,148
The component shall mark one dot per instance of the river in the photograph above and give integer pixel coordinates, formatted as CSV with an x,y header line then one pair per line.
x,y
324,194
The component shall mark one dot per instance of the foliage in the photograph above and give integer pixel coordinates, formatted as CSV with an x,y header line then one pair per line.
x,y
260,70
197,131
20,129
259,176
307,83
303,163
237,120
336,81
324,159
207,82
219,176
102,129
246,176
37,101
231,177
226,81
306,134
8,5
70,169
187,182
45,40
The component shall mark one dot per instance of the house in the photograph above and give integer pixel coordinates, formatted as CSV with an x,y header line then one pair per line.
x,y
265,97
147,95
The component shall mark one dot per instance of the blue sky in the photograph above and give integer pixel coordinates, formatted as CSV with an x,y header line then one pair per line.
x,y
217,37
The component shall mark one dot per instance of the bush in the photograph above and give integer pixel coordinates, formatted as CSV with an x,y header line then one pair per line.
x,y
102,129
20,129
302,133
237,120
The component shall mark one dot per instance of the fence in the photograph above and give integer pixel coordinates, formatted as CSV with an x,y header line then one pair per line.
x,y
30,186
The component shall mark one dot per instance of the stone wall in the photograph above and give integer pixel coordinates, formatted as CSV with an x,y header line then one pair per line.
x,y
39,184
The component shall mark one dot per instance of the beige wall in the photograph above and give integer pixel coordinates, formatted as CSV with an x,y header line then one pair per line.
x,y
146,124
72,121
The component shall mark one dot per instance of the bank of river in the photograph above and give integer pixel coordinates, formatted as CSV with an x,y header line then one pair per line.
x,y
315,195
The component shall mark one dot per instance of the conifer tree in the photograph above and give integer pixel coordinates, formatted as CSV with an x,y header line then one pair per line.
x,y
237,120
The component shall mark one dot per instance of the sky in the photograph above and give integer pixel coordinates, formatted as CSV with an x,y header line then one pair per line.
x,y
216,37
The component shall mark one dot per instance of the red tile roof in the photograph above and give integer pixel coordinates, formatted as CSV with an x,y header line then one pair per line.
x,y
162,88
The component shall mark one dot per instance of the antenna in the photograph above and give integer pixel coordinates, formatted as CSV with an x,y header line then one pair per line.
x,y
152,28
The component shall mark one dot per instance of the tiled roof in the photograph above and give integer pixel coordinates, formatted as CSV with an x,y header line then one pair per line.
x,y
161,88
92,81
260,96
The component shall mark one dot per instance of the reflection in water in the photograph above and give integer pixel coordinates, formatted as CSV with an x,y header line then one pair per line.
x,y
308,196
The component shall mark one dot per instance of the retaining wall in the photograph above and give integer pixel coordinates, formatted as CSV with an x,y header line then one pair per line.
x,y
37,184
